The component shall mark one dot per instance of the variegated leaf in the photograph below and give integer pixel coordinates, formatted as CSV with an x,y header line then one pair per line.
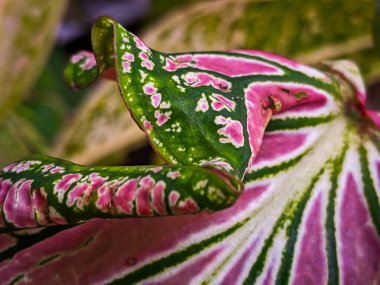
x,y
300,29
305,35
26,36
309,213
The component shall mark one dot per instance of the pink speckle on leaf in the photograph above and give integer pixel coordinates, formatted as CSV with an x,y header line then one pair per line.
x,y
143,206
162,118
170,65
227,102
126,66
57,169
96,180
23,166
89,57
125,196
156,100
64,184
157,169
149,88
158,198
173,174
47,167
40,206
232,131
140,45
8,168
204,79
147,125
187,206
191,77
147,64
374,116
128,56
105,193
173,198
174,63
76,194
143,56
202,104
217,106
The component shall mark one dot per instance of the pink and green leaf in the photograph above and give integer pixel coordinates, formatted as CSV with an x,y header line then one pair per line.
x,y
309,212
202,26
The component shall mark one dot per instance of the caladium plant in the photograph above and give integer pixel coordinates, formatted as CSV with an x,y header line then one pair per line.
x,y
300,139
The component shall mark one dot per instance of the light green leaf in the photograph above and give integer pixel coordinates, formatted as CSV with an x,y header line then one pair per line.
x,y
27,30
101,127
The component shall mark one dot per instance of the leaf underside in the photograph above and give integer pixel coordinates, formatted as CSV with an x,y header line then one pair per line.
x,y
309,213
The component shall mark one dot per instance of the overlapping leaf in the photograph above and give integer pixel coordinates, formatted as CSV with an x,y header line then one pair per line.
x,y
245,24
309,212
298,29
100,128
26,38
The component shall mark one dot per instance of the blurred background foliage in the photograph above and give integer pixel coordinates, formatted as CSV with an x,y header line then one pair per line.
x,y
40,114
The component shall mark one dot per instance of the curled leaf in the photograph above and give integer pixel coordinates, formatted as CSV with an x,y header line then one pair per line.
x,y
42,191
309,213
202,108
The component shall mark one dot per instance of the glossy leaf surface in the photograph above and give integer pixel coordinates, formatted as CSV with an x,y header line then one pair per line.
x,y
309,212
204,26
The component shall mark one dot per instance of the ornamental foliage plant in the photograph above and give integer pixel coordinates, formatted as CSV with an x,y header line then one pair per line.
x,y
272,177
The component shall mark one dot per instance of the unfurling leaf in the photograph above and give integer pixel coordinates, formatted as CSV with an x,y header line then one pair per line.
x,y
309,213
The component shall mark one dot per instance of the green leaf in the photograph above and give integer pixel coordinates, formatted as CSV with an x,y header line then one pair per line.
x,y
376,27
26,37
99,128
19,137
299,29
309,213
